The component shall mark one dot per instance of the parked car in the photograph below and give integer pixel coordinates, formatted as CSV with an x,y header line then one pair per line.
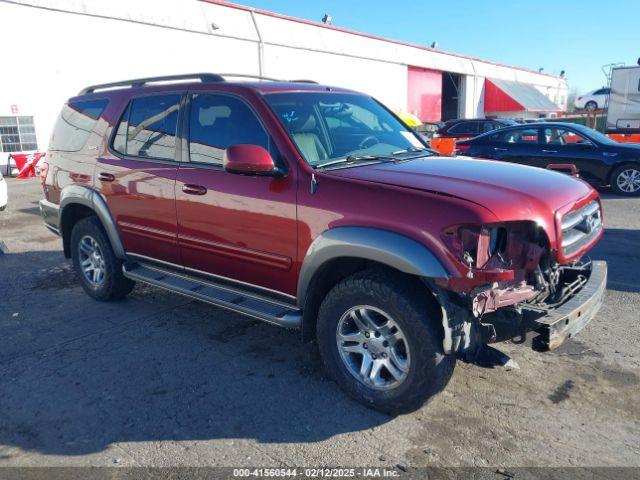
x,y
598,159
593,100
3,193
465,128
316,208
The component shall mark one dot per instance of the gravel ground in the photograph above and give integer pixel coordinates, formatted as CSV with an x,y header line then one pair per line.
x,y
159,380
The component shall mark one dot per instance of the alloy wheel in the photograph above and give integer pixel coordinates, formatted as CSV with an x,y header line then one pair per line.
x,y
91,261
373,347
629,180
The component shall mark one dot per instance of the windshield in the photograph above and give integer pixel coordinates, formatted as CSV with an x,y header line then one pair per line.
x,y
329,127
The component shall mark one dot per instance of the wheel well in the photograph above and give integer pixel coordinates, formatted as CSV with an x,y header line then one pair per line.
x,y
329,275
71,215
623,164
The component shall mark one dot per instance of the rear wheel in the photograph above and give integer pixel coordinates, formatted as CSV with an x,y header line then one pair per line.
x,y
625,180
380,341
591,106
99,270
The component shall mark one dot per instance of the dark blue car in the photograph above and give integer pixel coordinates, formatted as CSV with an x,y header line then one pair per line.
x,y
598,159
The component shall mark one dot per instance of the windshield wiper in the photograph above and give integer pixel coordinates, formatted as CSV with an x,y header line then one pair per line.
x,y
415,150
357,158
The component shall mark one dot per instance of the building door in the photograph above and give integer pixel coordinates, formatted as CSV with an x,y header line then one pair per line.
x,y
425,94
450,95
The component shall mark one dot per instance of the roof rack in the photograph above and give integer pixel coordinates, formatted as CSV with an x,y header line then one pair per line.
x,y
139,82
203,77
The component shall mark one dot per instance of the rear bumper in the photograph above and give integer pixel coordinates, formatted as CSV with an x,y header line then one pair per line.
x,y
569,319
50,213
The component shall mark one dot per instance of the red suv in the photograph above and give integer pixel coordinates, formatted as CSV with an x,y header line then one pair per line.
x,y
316,208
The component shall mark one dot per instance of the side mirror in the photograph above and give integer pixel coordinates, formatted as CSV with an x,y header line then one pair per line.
x,y
248,160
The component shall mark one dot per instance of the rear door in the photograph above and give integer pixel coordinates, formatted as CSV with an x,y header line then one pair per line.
x,y
137,177
239,227
519,145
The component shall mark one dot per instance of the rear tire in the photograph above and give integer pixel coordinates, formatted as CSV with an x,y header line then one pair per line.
x,y
400,376
625,180
99,270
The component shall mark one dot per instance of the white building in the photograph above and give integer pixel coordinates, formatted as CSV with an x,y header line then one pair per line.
x,y
61,46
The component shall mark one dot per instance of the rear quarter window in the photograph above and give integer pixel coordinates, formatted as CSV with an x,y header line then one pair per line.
x,y
75,124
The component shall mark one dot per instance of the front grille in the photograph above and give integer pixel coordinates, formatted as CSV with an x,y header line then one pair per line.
x,y
580,227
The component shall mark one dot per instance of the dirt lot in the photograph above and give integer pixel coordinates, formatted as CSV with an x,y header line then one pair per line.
x,y
160,380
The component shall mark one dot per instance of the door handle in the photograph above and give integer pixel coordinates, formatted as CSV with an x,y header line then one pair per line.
x,y
498,149
106,177
191,189
549,151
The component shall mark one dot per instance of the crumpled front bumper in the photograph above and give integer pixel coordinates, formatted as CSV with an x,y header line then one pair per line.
x,y
567,320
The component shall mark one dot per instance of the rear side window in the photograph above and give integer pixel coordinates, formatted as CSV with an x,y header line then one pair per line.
x,y
219,121
75,124
526,136
148,127
470,128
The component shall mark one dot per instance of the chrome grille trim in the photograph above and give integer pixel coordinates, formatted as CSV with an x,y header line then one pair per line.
x,y
580,227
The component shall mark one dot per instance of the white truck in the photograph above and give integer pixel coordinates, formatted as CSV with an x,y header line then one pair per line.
x,y
623,116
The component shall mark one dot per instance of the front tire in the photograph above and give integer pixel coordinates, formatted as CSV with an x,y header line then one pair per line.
x,y
591,106
625,180
99,270
380,339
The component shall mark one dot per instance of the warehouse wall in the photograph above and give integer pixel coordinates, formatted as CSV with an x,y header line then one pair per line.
x,y
82,42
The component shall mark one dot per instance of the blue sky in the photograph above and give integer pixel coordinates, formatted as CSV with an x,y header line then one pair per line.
x,y
578,36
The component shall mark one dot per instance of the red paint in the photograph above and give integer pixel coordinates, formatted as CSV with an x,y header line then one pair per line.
x,y
625,137
246,159
496,100
258,229
26,163
424,95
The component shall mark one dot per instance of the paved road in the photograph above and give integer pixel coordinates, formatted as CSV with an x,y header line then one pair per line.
x,y
161,380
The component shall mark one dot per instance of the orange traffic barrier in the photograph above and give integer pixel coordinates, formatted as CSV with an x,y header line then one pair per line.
x,y
625,137
444,146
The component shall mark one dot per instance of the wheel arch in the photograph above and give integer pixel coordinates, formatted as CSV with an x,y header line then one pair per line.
x,y
342,251
622,163
77,202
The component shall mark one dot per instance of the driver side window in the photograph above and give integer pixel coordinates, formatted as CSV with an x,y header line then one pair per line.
x,y
562,136
218,121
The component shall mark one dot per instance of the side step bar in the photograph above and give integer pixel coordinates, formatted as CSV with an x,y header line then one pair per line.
x,y
221,296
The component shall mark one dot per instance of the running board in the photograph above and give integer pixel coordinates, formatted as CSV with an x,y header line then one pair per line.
x,y
218,295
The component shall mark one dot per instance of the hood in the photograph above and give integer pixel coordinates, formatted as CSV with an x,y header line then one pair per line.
x,y
509,191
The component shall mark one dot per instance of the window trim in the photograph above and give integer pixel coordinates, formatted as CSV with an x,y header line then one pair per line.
x,y
178,147
280,163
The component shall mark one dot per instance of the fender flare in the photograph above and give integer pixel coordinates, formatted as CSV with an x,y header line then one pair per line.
x,y
382,246
87,196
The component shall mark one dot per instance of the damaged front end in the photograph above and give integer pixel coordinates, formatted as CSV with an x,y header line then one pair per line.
x,y
512,285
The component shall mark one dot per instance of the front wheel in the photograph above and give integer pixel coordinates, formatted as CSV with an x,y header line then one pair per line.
x,y
625,180
380,340
100,271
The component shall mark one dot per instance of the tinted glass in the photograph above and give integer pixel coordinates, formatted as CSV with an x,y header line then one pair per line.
x,y
470,128
488,127
75,124
151,128
529,135
562,136
219,121
332,126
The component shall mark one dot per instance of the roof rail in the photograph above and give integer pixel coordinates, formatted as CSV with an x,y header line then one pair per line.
x,y
255,77
302,80
139,82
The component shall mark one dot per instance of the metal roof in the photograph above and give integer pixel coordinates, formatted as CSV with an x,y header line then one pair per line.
x,y
526,95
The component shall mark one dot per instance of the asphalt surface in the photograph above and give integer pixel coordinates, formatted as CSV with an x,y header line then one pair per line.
x,y
160,380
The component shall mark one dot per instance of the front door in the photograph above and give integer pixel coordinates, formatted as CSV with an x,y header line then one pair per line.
x,y
138,179
567,147
238,227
